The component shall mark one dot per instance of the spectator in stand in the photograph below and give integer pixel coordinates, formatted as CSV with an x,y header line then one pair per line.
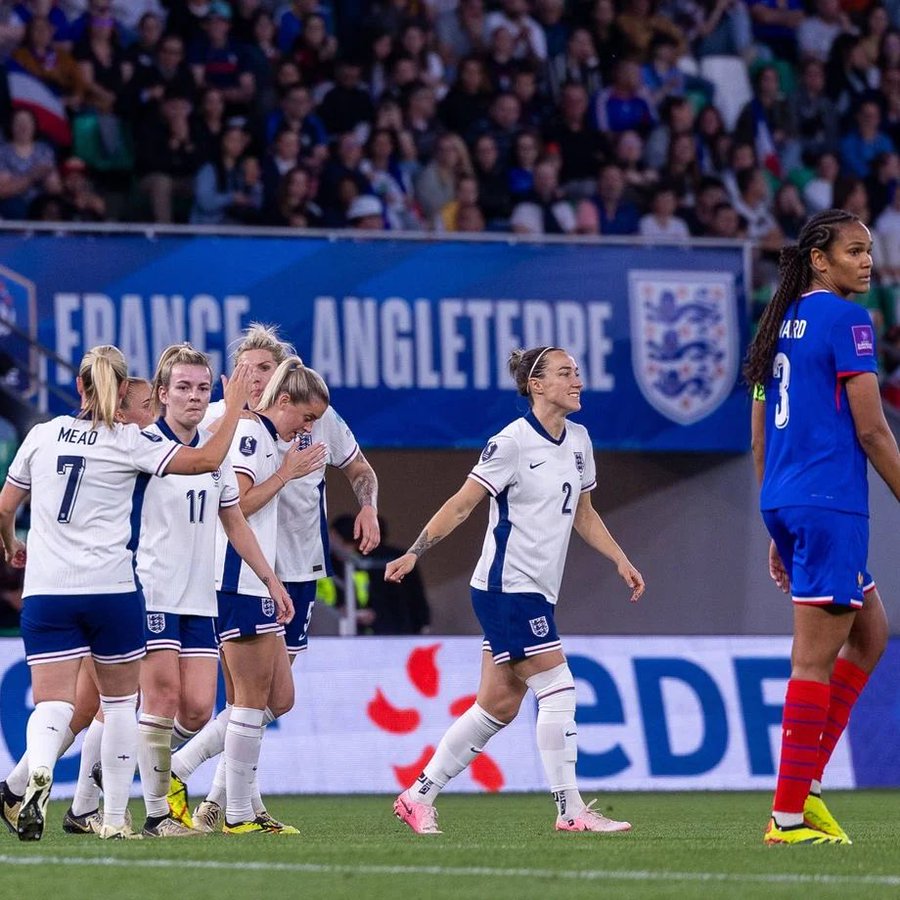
x,y
610,41
315,52
545,212
414,42
766,121
388,181
724,29
81,202
660,76
581,148
887,231
470,219
640,179
366,214
167,157
860,146
27,166
676,116
529,40
641,23
421,121
551,16
850,194
577,64
726,223
710,194
467,101
242,19
343,165
402,77
849,78
282,157
93,13
500,61
210,123
816,33
743,156
295,111
789,210
220,193
624,105
819,192
608,211
262,57
534,110
378,69
142,52
890,92
882,182
527,150
461,32
813,113
466,197
713,140
56,68
24,12
493,185
503,124
219,61
775,24
682,168
753,204
347,106
436,184
188,19
293,206
291,22
876,26
661,221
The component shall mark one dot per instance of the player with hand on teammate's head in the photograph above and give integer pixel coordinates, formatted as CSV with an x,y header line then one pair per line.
x,y
80,595
816,421
176,566
539,472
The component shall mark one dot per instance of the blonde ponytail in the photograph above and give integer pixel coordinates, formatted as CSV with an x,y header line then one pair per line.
x,y
102,371
302,385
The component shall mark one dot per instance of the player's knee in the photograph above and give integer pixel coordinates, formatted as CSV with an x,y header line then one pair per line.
x,y
554,689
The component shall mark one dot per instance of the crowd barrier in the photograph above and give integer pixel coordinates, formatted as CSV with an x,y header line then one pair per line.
x,y
411,335
653,714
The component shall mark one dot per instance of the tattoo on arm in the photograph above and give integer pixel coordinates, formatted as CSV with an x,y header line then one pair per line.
x,y
365,486
424,542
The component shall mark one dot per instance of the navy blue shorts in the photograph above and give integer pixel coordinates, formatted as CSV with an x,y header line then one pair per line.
x,y
109,627
515,625
186,635
824,552
296,632
243,615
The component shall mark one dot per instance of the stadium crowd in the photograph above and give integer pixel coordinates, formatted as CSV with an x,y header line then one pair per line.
x,y
661,118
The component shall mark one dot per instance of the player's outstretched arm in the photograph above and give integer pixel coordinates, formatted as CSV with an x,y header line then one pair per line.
x,y
242,538
595,534
452,514
874,433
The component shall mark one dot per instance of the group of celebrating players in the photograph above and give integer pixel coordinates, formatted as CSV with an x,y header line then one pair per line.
x,y
216,562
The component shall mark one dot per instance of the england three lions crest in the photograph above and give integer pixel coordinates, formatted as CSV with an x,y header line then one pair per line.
x,y
685,346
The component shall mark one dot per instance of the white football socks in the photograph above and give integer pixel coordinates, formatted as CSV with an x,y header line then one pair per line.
x,y
242,745
461,743
180,735
45,733
87,793
155,761
209,742
118,755
17,780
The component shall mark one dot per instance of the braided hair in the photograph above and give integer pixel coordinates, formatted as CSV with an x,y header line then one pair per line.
x,y
795,275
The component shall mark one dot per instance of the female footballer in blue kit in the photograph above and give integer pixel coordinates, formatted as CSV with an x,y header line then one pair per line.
x,y
816,420
176,567
539,472
80,592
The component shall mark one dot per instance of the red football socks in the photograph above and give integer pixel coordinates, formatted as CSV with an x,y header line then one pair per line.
x,y
847,682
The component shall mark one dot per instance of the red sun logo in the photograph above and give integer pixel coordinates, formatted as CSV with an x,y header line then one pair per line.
x,y
425,677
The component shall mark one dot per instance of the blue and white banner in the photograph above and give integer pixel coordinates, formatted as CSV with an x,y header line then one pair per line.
x,y
672,713
413,336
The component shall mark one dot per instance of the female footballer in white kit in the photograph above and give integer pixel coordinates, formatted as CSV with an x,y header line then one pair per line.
x,y
176,568
539,472
80,593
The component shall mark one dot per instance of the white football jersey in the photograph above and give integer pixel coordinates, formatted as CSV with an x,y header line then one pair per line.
x,y
303,553
253,453
535,483
83,493
214,412
176,553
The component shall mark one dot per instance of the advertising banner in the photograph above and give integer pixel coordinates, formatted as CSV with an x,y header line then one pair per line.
x,y
653,714
413,336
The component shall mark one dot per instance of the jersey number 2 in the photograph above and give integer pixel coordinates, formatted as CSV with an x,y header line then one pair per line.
x,y
781,371
567,500
73,468
197,504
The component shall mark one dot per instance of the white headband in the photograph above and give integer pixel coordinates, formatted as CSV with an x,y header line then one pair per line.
x,y
537,360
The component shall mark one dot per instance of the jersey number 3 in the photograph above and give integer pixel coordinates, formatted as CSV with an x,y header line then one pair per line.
x,y
781,372
73,468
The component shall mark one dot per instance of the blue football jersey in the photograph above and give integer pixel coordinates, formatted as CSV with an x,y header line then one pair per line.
x,y
813,457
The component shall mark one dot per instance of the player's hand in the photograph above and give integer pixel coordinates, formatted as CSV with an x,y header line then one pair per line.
x,y
777,571
396,569
15,554
366,532
236,389
284,606
297,463
632,578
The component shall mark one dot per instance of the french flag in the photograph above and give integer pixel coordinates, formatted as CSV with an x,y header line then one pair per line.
x,y
766,153
27,91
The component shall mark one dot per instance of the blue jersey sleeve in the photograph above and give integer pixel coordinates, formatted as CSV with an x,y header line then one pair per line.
x,y
852,339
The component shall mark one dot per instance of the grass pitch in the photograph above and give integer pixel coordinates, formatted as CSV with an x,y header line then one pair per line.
x,y
503,846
